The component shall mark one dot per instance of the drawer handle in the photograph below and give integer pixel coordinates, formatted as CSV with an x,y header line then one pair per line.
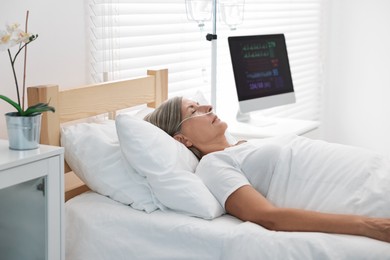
x,y
41,186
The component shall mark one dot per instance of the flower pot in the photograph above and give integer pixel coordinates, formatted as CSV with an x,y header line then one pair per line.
x,y
23,131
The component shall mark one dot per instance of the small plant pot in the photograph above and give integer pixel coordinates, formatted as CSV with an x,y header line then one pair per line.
x,y
23,131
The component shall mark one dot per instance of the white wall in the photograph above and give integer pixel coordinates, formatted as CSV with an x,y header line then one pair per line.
x,y
357,93
58,56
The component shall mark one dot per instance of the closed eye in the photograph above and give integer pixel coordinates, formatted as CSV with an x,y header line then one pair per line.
x,y
193,108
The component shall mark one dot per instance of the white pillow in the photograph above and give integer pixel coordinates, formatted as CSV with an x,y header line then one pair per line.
x,y
168,166
92,151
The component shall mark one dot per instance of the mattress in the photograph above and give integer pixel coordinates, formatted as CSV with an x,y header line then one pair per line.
x,y
100,228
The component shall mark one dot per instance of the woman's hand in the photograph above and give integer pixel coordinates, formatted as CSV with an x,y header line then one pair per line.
x,y
377,228
248,204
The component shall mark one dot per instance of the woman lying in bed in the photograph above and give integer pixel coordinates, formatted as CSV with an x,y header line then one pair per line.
x,y
230,170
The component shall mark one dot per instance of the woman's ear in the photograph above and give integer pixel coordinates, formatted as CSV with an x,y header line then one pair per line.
x,y
182,139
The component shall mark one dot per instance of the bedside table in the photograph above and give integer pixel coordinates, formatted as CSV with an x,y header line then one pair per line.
x,y
31,203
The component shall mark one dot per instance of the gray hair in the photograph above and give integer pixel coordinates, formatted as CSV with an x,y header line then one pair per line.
x,y
167,117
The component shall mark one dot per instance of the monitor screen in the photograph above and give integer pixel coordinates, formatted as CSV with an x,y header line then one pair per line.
x,y
261,71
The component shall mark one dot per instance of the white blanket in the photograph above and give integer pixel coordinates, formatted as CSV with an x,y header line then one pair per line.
x,y
310,174
322,176
325,177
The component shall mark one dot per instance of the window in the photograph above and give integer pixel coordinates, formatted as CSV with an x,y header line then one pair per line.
x,y
130,36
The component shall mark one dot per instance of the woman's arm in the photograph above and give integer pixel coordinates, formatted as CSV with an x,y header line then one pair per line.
x,y
248,204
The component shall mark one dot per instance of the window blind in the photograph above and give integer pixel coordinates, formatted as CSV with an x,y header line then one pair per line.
x,y
127,37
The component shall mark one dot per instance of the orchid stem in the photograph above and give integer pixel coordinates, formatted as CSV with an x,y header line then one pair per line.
x,y
15,78
24,65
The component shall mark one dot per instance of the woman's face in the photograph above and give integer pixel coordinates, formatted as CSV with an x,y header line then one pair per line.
x,y
200,125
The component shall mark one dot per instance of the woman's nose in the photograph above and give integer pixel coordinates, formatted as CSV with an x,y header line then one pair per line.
x,y
208,108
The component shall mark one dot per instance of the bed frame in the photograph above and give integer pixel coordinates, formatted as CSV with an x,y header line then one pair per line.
x,y
87,101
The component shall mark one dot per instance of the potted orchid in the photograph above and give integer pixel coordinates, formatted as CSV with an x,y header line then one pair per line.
x,y
23,125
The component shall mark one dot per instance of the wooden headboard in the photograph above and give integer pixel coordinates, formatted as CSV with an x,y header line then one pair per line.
x,y
86,101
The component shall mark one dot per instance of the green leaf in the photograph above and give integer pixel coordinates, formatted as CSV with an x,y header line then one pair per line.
x,y
38,108
30,111
13,103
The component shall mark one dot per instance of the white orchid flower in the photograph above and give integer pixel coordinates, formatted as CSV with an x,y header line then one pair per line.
x,y
12,36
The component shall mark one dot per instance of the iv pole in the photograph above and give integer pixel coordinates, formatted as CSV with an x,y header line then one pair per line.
x,y
210,37
213,38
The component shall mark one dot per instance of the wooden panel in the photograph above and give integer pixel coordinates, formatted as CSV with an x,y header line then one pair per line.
x,y
50,130
83,102
73,185
161,86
